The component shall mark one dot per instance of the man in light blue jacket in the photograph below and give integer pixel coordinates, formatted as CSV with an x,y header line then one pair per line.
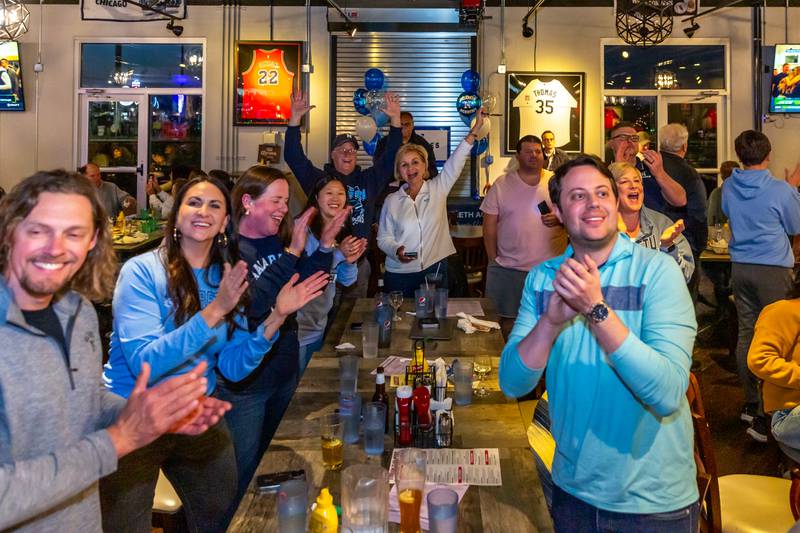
x,y
762,210
613,323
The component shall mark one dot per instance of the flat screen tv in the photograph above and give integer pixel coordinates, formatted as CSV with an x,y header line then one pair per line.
x,y
11,94
785,85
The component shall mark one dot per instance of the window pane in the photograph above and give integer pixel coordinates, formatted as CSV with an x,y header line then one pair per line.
x,y
665,67
642,111
113,133
175,128
105,65
701,121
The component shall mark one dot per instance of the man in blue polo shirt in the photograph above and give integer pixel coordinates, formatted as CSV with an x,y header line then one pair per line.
x,y
614,324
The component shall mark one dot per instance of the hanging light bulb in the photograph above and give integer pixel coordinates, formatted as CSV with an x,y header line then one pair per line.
x,y
14,18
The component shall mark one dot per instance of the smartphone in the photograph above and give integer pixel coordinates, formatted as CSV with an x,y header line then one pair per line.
x,y
357,326
544,209
412,255
272,482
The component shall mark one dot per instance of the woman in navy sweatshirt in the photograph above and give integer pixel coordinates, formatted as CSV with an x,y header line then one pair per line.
x,y
173,307
273,251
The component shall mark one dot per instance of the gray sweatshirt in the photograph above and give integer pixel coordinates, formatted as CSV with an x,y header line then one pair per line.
x,y
53,448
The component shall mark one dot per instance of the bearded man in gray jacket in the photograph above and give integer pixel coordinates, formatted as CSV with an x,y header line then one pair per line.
x,y
60,430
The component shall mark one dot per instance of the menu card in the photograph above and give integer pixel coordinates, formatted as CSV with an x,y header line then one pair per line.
x,y
456,466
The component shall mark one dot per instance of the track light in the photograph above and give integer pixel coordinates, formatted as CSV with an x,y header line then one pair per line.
x,y
349,26
527,31
351,30
691,30
177,30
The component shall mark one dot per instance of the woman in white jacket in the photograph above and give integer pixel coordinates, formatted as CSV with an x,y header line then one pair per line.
x,y
413,230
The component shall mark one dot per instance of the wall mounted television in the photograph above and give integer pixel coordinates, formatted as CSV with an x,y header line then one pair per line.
x,y
12,97
785,85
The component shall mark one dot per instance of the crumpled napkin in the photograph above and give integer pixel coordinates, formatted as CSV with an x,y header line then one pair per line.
x,y
469,324
345,346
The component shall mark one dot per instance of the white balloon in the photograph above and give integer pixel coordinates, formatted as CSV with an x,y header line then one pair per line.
x,y
486,127
366,128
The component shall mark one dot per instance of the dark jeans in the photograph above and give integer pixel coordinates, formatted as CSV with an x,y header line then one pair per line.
x,y
571,515
408,282
754,288
202,469
259,402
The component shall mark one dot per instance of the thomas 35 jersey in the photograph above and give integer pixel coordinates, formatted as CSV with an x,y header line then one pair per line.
x,y
545,106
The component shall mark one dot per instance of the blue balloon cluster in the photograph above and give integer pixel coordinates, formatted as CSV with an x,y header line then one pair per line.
x,y
469,102
369,101
369,146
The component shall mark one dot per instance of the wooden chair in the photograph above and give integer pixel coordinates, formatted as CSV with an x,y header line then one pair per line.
x,y
738,502
473,256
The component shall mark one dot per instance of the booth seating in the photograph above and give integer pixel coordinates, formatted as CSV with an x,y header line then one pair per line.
x,y
738,502
167,507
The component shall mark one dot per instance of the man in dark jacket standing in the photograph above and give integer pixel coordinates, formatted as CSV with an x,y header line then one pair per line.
x,y
364,186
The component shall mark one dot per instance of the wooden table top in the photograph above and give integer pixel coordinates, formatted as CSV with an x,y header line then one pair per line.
x,y
490,343
125,251
709,255
492,422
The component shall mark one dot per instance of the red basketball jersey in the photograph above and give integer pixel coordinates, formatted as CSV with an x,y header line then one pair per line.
x,y
267,86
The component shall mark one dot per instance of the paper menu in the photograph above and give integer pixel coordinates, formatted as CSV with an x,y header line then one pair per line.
x,y
470,466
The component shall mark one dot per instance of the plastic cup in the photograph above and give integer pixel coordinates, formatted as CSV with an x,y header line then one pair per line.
x,y
369,340
434,280
441,303
350,413
409,475
424,300
463,380
374,427
292,506
348,373
330,428
442,511
365,493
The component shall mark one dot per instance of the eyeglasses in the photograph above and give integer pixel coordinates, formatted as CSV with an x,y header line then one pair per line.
x,y
628,138
346,151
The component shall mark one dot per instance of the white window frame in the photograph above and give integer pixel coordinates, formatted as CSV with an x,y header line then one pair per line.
x,y
661,95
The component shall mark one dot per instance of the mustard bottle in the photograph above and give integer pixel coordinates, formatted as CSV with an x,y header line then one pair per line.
x,y
323,516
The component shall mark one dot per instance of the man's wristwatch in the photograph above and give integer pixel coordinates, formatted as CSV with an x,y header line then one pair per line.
x,y
598,312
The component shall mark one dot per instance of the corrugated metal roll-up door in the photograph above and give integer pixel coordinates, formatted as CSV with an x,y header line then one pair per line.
x,y
423,68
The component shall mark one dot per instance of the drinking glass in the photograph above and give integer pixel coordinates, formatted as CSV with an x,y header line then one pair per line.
x,y
369,340
483,367
292,506
365,491
374,427
409,474
442,510
330,427
396,300
433,280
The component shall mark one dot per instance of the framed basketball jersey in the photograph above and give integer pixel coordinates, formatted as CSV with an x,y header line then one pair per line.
x,y
266,74
545,101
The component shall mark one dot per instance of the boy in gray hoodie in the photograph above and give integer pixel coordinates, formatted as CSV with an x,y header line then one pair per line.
x,y
762,210
60,429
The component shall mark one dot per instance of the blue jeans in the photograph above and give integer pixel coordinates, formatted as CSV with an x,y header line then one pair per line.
x,y
786,430
259,402
201,468
307,351
408,282
572,515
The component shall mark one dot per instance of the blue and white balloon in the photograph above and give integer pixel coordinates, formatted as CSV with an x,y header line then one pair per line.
x,y
470,81
369,146
360,101
467,105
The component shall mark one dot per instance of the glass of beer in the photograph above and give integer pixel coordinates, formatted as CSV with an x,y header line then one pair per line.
x,y
330,427
409,475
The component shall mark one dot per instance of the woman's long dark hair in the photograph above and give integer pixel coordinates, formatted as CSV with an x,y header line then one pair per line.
x,y
313,201
181,284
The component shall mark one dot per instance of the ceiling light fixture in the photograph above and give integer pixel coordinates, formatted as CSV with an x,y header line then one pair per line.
x,y
527,31
349,26
644,23
14,18
691,30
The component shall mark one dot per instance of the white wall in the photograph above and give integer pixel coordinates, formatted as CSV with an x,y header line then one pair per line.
x,y
19,153
568,40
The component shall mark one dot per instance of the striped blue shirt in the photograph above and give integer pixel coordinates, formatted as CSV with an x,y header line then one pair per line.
x,y
621,421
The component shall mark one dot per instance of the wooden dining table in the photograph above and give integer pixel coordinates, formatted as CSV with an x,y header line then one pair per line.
x,y
127,250
493,421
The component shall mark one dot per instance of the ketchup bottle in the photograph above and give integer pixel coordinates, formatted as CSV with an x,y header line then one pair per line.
x,y
403,413
422,406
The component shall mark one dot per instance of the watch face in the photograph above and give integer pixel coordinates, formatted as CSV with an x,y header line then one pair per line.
x,y
599,312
